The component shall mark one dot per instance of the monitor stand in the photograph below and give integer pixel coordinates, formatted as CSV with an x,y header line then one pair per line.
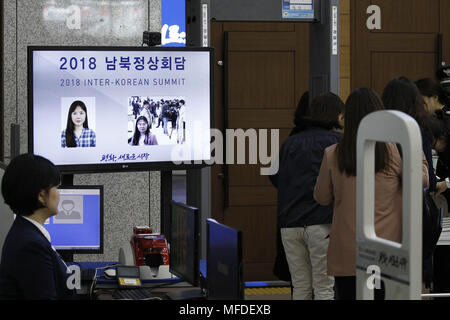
x,y
197,293
66,180
67,256
187,294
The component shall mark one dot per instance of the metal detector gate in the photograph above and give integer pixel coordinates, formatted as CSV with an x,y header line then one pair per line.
x,y
324,30
324,56
399,266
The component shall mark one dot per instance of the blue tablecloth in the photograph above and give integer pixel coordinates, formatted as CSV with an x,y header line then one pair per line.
x,y
103,279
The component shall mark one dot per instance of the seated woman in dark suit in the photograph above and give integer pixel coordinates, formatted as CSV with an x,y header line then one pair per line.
x,y
30,268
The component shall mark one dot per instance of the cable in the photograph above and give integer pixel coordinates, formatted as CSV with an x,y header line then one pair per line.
x,y
94,281
165,284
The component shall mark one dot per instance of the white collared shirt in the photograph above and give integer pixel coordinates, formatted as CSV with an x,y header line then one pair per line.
x,y
46,234
40,227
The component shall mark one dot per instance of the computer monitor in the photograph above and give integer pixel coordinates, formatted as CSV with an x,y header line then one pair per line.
x,y
184,247
224,267
78,226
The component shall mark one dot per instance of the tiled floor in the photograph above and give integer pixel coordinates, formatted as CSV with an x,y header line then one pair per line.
x,y
268,293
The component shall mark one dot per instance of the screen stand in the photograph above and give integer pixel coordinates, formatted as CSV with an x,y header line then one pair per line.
x,y
190,294
166,199
187,294
67,179
66,255
15,140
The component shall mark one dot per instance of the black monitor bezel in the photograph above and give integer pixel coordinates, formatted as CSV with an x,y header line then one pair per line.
x,y
116,167
237,295
196,254
88,251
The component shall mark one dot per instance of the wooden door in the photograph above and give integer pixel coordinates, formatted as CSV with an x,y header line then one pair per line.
x,y
406,45
445,30
267,70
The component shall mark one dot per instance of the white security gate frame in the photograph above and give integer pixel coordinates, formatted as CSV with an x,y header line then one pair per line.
x,y
400,264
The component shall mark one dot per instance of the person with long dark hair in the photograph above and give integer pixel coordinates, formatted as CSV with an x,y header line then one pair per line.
x,y
435,100
438,133
142,135
337,182
403,95
77,132
437,104
433,94
304,223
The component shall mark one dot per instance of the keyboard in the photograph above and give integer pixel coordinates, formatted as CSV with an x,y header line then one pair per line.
x,y
133,294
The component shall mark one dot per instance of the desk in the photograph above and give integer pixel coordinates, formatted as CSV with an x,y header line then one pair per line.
x,y
159,292
104,286
167,285
102,280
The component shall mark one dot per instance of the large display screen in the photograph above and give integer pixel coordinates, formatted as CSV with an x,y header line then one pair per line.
x,y
94,109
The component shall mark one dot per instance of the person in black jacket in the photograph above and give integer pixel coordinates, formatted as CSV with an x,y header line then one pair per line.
x,y
165,115
280,266
30,268
436,97
304,224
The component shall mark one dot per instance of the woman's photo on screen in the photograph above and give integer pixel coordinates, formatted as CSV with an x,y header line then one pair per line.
x,y
76,132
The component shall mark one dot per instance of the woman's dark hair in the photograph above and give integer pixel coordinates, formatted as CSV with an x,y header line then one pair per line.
x,y
137,133
23,180
70,136
430,88
324,112
360,103
402,94
300,112
435,127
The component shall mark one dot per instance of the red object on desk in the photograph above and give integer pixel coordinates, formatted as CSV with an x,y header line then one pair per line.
x,y
149,249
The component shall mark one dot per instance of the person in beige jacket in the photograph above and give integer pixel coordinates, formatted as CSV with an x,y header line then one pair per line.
x,y
337,182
